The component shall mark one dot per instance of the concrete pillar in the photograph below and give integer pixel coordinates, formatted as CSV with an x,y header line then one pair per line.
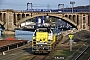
x,y
9,21
72,17
84,21
8,48
6,25
86,18
20,16
17,45
80,22
16,17
68,16
2,16
25,15
76,19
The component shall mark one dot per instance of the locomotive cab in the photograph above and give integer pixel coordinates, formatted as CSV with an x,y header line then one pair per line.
x,y
42,40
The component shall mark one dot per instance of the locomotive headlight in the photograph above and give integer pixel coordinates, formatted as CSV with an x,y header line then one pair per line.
x,y
49,34
33,37
49,37
41,45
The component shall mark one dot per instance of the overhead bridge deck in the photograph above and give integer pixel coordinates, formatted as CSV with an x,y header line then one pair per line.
x,y
11,44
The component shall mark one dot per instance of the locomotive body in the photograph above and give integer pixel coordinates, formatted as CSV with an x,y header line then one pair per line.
x,y
43,40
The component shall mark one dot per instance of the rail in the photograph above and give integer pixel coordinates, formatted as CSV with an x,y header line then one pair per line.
x,y
89,58
39,57
15,54
82,53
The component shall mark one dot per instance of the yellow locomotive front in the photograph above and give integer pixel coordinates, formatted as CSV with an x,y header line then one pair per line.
x,y
43,40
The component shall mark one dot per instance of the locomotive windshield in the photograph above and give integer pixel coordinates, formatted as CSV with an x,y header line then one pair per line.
x,y
43,30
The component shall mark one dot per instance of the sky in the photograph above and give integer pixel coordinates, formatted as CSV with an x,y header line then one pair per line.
x,y
39,4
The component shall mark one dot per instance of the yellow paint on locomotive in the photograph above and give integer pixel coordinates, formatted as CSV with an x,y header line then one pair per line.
x,y
53,41
41,36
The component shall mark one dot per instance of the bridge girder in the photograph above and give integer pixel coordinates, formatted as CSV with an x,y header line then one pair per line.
x,y
29,17
55,15
64,18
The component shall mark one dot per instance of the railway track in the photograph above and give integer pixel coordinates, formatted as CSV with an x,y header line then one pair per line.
x,y
89,58
84,55
14,54
39,57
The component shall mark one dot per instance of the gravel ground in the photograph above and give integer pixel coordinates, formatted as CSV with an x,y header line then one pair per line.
x,y
81,36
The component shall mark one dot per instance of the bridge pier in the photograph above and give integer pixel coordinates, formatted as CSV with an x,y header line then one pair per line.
x,y
9,25
83,22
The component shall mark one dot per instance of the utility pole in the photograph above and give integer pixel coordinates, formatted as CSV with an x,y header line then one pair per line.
x,y
58,6
31,5
27,6
72,2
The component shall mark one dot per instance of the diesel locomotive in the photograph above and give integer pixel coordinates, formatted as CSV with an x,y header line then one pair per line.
x,y
43,40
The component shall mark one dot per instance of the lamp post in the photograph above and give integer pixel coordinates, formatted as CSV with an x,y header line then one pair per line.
x,y
58,6
72,2
27,6
30,5
61,5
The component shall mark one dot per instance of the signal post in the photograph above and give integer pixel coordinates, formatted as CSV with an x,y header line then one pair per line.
x,y
70,41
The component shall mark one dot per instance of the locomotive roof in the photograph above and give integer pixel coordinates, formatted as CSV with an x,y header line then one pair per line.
x,y
43,28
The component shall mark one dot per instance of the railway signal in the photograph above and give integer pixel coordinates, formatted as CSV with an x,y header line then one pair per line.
x,y
70,41
70,36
